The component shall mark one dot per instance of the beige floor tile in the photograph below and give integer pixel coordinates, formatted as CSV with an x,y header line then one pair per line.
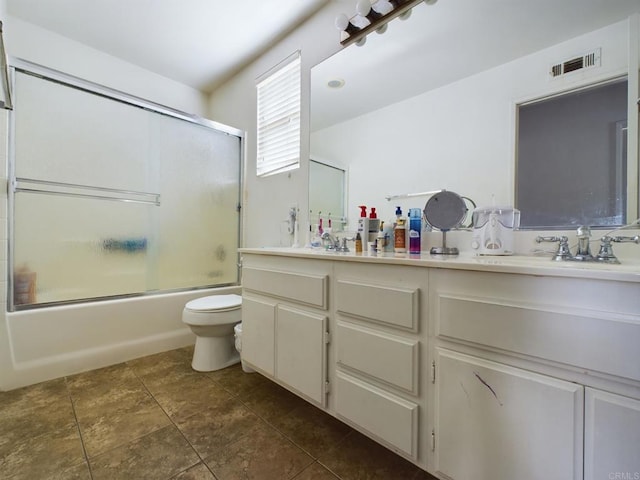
x,y
47,456
358,457
147,418
311,429
158,456
316,472
188,396
96,382
197,472
105,425
270,401
163,369
263,454
215,428
159,362
236,381
33,411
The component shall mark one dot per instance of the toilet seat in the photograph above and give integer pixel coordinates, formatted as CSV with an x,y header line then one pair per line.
x,y
215,303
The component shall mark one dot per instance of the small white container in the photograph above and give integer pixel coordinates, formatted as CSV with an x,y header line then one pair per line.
x,y
238,336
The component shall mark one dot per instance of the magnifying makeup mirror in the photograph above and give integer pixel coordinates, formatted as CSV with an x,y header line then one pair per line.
x,y
445,210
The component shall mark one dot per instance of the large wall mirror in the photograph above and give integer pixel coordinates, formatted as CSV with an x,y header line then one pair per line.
x,y
434,103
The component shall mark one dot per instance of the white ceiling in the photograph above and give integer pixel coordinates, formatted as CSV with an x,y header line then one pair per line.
x,y
199,43
445,42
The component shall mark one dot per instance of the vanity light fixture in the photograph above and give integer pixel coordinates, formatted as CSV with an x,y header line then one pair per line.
x,y
373,17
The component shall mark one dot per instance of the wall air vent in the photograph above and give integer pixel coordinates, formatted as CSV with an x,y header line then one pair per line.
x,y
588,60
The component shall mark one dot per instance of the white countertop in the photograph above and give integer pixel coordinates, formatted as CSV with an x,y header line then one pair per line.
x,y
520,264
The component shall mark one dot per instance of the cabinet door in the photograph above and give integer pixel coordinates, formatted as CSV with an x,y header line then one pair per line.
x,y
497,422
301,351
258,322
612,436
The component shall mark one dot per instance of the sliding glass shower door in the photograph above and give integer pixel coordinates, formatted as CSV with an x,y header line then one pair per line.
x,y
111,197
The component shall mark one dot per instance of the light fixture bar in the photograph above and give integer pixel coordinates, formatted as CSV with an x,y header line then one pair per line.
x,y
379,22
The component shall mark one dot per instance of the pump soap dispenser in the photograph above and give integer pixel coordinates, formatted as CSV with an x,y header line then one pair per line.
x,y
363,226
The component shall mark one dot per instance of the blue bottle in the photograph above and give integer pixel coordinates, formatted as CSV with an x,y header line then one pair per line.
x,y
415,227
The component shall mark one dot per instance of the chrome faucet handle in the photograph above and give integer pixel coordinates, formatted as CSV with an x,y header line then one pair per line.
x,y
635,239
606,249
606,254
344,247
563,252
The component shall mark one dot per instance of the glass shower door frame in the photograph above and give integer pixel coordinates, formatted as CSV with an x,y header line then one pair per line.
x,y
86,191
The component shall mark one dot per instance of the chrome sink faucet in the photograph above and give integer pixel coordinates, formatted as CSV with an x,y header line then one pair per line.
x,y
583,253
331,243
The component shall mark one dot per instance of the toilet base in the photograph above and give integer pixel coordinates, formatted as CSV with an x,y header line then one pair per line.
x,y
214,353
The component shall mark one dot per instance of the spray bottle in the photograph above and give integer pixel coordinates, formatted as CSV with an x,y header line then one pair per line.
x,y
363,225
415,227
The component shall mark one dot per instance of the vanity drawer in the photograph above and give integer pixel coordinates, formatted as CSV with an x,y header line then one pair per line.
x,y
388,358
389,417
393,306
540,317
307,289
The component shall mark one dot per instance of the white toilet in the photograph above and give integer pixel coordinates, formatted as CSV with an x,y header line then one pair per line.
x,y
212,320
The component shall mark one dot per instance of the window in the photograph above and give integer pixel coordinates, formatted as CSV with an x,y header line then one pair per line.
x,y
572,154
279,118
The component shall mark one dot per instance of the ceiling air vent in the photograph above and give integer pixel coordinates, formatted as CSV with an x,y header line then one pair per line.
x,y
588,60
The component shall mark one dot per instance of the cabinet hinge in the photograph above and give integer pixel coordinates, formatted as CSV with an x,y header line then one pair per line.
x,y
326,388
433,372
327,338
433,440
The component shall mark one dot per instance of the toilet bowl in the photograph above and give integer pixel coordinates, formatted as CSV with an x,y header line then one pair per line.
x,y
212,320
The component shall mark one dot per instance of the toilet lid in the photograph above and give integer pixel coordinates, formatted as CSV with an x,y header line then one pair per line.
x,y
215,303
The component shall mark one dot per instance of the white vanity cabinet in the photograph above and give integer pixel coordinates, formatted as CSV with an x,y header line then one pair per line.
x,y
470,370
530,372
379,343
494,421
285,322
612,436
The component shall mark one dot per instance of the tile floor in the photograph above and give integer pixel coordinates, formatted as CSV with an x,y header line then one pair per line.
x,y
155,418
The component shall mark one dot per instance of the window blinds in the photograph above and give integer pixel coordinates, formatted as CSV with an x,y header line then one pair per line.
x,y
279,119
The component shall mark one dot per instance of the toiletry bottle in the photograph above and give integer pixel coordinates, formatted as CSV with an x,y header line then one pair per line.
x,y
363,225
358,243
400,233
381,240
388,230
415,227
374,225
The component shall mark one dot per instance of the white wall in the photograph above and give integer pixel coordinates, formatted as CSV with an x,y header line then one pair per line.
x,y
42,344
267,200
459,137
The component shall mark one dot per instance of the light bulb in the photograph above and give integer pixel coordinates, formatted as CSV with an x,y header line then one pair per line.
x,y
363,7
361,42
383,7
405,15
342,22
430,2
344,25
